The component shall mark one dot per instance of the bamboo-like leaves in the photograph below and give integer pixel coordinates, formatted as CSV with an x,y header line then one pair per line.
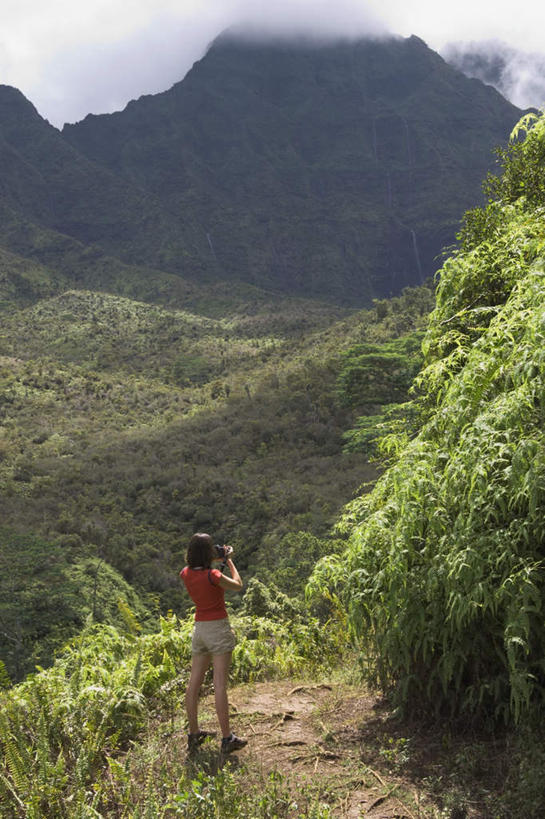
x,y
446,562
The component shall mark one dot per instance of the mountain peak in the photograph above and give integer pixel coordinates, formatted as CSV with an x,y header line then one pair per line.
x,y
337,170
327,169
13,103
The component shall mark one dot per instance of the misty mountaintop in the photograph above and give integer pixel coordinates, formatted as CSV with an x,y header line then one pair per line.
x,y
517,75
334,171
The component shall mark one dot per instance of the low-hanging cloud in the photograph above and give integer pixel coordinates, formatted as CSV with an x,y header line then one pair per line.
x,y
518,76
317,19
74,58
101,78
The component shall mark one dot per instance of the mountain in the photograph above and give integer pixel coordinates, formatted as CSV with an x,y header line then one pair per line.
x,y
55,203
126,426
337,170
518,75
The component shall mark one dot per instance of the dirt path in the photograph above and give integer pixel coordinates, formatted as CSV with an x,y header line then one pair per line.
x,y
313,735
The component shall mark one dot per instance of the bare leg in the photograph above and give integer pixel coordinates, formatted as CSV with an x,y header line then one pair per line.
x,y
221,663
199,665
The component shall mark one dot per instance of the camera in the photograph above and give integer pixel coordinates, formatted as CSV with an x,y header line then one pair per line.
x,y
222,551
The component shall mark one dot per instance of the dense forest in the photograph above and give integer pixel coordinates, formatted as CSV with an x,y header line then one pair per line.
x,y
379,472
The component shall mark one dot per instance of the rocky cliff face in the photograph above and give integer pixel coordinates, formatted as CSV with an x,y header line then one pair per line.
x,y
336,171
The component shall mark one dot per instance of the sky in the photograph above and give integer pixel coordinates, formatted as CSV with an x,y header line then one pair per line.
x,y
74,57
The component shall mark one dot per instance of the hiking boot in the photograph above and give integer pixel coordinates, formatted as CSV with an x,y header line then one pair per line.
x,y
194,740
232,743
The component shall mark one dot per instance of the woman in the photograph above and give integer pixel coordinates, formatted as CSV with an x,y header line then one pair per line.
x,y
213,639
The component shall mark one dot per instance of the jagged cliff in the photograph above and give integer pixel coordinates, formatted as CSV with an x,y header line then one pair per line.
x,y
335,170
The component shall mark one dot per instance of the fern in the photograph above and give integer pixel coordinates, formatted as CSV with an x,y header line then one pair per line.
x,y
5,681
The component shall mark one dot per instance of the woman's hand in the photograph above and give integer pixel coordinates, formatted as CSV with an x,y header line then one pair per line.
x,y
233,583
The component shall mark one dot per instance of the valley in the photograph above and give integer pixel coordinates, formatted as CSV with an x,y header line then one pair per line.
x,y
252,305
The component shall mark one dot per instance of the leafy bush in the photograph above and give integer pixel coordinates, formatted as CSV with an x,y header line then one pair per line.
x,y
443,577
374,374
63,727
45,599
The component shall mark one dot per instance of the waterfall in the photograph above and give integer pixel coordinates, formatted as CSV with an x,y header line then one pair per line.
x,y
417,256
407,141
389,189
211,246
375,151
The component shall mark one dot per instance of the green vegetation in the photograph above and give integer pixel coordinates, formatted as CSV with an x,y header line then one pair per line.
x,y
444,586
126,426
375,376
137,407
46,597
66,733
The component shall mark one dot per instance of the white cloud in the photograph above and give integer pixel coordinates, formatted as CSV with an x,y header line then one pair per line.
x,y
59,53
440,22
519,76
101,77
315,18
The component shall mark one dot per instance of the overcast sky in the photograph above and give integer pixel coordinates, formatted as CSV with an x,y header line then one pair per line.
x,y
73,57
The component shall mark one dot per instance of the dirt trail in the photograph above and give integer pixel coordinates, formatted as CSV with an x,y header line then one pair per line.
x,y
314,735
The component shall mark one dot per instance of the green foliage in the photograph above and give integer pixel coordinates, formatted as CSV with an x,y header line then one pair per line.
x,y
59,726
286,565
45,599
521,181
208,797
374,374
473,286
376,435
268,601
191,370
5,681
63,732
105,597
103,455
523,166
380,372
38,601
444,570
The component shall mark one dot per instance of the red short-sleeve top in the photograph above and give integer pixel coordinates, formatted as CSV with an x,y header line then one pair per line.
x,y
202,586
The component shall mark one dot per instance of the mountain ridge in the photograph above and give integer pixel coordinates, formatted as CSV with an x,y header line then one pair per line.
x,y
337,172
298,164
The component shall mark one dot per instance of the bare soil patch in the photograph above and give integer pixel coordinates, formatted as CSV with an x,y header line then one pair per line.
x,y
312,735
340,745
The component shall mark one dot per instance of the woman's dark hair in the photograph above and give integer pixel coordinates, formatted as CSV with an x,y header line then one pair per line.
x,y
200,551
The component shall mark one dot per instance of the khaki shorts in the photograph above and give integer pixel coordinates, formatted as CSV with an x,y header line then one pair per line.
x,y
212,637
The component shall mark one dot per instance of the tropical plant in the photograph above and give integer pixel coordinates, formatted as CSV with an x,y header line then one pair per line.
x,y
444,575
64,730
